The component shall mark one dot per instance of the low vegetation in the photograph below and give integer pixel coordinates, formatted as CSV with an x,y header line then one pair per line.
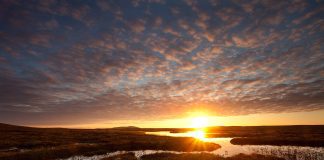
x,y
27,143
190,156
279,141
205,156
126,156
41,144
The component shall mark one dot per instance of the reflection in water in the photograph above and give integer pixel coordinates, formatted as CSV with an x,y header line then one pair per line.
x,y
227,149
199,134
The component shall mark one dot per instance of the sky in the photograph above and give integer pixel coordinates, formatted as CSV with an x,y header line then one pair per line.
x,y
156,63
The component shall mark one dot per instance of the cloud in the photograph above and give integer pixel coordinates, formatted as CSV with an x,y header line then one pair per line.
x,y
138,26
104,59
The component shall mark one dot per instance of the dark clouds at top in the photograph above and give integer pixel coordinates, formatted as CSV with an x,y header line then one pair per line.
x,y
64,61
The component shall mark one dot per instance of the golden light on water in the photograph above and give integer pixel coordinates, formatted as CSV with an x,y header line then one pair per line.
x,y
199,122
198,134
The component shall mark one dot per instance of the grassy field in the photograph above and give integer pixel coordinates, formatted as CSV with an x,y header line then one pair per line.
x,y
126,156
27,143
188,156
38,144
205,156
279,141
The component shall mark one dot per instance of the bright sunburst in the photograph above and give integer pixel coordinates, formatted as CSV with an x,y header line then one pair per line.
x,y
198,134
199,122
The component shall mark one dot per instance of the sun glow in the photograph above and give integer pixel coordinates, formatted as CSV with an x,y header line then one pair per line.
x,y
198,134
199,122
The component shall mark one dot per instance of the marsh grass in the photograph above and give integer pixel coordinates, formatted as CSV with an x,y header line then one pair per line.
x,y
26,143
125,156
44,144
183,156
291,153
205,156
280,141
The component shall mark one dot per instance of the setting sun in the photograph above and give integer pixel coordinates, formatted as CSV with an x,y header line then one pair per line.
x,y
199,122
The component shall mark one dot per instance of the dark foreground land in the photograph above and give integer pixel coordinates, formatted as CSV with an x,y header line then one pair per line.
x,y
188,156
39,144
27,143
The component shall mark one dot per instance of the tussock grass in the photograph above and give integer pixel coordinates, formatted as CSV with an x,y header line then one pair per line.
x,y
205,156
126,156
44,144
53,143
279,141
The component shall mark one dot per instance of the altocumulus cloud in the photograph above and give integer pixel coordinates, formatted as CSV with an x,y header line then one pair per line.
x,y
111,60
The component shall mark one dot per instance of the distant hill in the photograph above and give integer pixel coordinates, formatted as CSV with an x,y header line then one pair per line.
x,y
4,127
127,128
10,127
